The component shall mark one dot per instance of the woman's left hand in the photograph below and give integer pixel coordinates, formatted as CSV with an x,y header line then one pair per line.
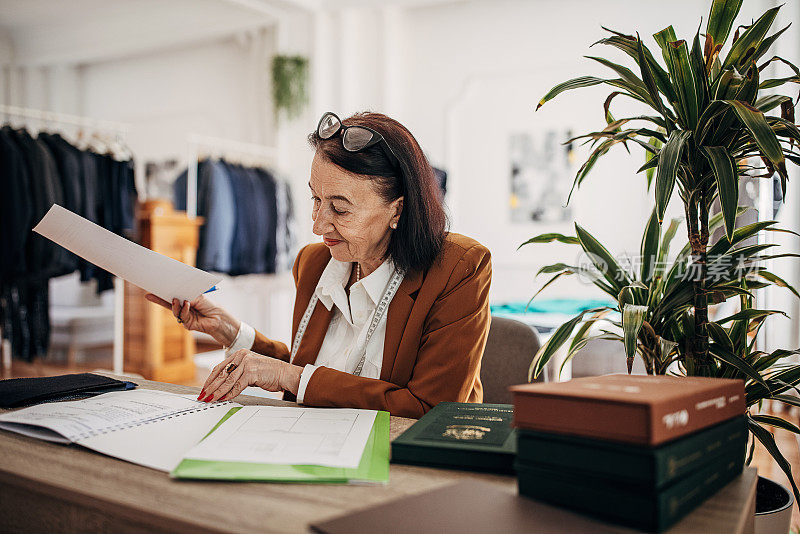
x,y
226,381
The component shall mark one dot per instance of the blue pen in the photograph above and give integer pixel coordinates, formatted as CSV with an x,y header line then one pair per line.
x,y
210,290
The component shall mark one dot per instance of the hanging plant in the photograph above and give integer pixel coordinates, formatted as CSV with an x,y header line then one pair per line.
x,y
290,84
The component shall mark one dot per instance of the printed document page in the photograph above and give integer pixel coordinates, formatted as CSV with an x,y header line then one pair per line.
x,y
160,444
78,419
149,270
284,435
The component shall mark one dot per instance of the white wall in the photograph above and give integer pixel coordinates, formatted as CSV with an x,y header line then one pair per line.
x,y
165,95
472,74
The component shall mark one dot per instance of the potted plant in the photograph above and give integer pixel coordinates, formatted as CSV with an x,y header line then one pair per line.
x,y
709,124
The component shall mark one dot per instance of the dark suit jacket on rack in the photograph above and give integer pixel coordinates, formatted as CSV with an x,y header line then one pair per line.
x,y
436,331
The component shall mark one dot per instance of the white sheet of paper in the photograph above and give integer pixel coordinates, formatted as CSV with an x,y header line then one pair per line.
x,y
333,437
145,434
160,444
149,270
76,419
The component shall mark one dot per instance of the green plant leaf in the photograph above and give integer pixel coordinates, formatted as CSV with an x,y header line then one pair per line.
x,y
719,335
720,20
629,45
553,279
667,169
663,38
777,82
767,42
770,102
649,81
666,240
760,130
740,51
727,179
749,314
575,83
559,337
742,365
788,399
685,83
649,247
777,280
555,268
740,234
776,421
632,321
602,259
549,238
698,65
768,440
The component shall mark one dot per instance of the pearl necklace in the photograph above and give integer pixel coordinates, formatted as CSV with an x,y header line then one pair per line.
x,y
358,271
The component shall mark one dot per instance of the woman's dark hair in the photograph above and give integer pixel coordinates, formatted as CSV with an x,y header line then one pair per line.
x,y
419,237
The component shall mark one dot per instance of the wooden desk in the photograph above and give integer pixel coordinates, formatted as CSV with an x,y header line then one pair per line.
x,y
56,488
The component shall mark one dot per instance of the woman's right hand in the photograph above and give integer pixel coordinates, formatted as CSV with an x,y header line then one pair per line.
x,y
204,316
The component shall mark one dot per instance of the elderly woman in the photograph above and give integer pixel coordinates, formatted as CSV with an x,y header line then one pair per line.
x,y
391,311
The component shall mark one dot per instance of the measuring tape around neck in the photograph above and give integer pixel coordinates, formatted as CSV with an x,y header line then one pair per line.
x,y
380,310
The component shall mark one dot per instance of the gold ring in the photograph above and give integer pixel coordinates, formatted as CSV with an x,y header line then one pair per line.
x,y
230,368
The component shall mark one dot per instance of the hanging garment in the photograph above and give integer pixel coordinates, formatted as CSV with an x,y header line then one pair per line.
x,y
217,205
36,173
270,229
286,231
248,218
15,219
15,208
242,249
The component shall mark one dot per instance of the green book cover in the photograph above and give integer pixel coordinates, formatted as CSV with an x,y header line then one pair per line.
x,y
636,465
373,468
629,505
460,435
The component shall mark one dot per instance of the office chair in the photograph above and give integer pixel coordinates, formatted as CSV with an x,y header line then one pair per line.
x,y
509,350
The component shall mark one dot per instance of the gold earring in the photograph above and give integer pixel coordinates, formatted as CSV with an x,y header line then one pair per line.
x,y
394,226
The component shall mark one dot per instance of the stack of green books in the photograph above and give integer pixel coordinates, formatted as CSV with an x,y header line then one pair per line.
x,y
633,450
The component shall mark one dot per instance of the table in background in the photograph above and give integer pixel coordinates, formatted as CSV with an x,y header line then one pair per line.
x,y
56,488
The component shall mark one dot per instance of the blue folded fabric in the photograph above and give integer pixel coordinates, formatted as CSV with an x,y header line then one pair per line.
x,y
565,306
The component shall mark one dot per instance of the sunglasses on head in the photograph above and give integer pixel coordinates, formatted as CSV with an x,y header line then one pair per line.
x,y
354,138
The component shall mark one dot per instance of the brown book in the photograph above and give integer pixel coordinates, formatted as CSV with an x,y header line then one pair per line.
x,y
644,410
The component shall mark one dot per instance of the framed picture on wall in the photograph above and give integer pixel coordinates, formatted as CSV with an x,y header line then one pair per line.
x,y
541,174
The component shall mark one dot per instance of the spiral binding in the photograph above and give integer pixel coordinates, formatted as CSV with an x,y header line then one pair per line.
x,y
125,426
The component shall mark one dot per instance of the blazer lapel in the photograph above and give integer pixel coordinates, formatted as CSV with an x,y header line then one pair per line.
x,y
314,335
396,319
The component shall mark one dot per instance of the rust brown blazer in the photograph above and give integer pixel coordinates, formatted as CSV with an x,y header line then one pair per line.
x,y
436,331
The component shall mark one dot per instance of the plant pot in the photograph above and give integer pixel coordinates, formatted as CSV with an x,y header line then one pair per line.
x,y
773,507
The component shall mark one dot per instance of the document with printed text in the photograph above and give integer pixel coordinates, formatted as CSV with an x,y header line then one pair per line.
x,y
288,435
143,426
158,274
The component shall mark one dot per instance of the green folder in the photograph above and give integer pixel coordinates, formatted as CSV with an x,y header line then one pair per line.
x,y
373,468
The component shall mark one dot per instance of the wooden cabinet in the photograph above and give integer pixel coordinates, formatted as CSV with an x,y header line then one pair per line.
x,y
156,346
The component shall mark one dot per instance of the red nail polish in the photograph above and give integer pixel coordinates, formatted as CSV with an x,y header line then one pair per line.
x,y
202,394
208,398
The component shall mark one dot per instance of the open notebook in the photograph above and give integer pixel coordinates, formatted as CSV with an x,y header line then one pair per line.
x,y
143,426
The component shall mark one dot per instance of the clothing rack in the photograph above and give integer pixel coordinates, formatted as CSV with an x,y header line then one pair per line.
x,y
121,130
196,144
63,118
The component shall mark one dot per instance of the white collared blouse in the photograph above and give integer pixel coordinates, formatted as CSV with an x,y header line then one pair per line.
x,y
343,344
